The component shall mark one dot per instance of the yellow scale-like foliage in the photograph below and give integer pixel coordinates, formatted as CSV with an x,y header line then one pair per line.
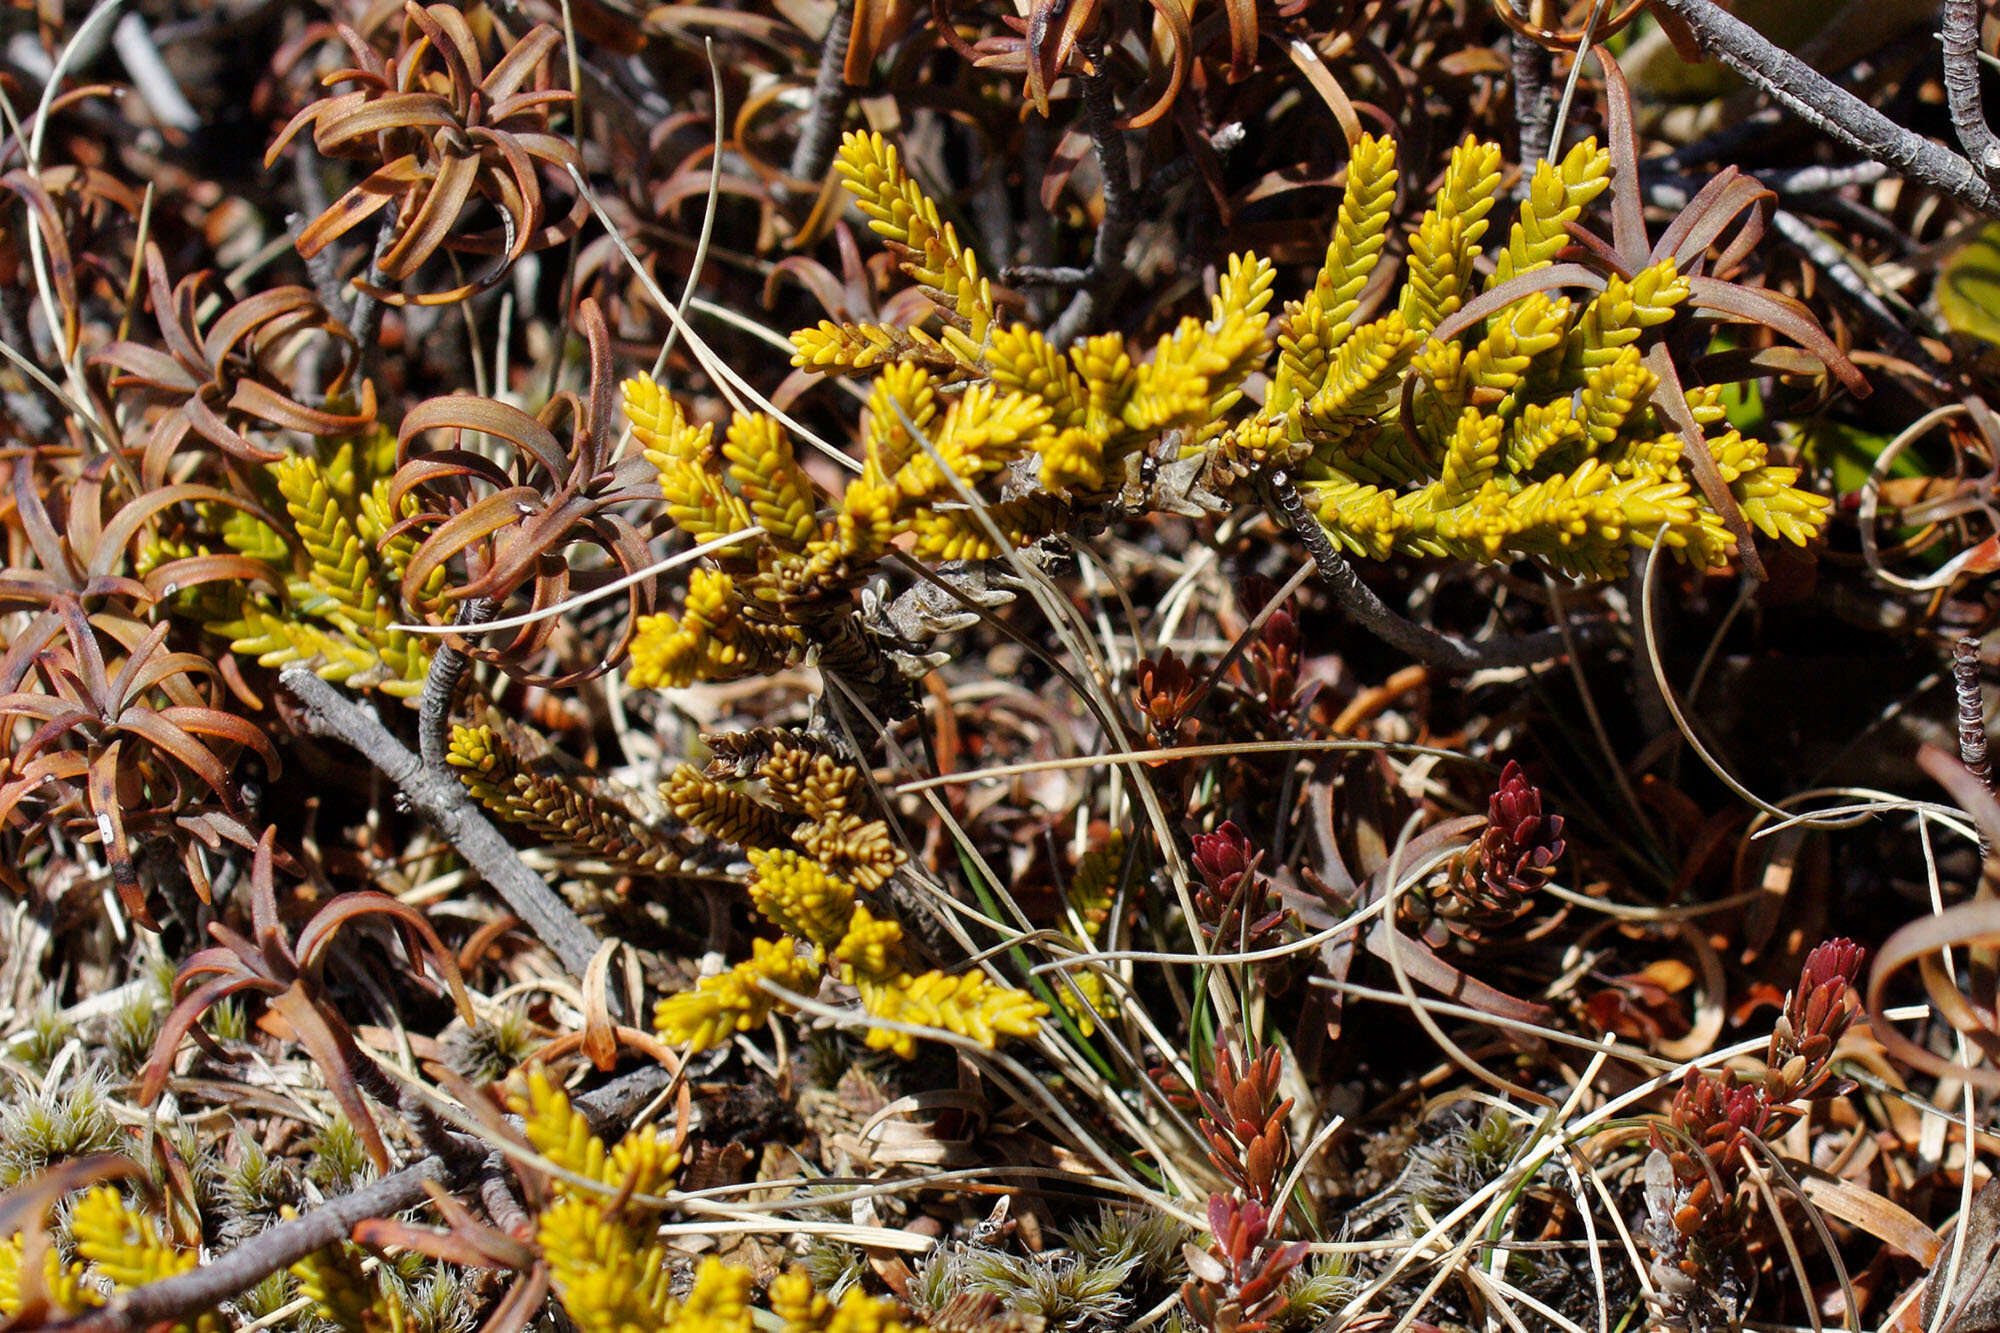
x,y
340,572
797,895
346,1296
840,825
117,1246
804,1310
814,849
907,218
609,1274
1083,416
1570,461
735,1001
825,923
552,802
1529,433
964,1003
643,1162
63,1283
610,1271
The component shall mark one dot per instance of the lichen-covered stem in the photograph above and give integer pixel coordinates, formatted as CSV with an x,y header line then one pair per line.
x,y
442,799
441,683
1121,214
1826,106
1534,95
1971,709
1960,39
285,1243
820,135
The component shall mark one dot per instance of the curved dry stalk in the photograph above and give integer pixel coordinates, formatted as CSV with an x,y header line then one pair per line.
x,y
1672,700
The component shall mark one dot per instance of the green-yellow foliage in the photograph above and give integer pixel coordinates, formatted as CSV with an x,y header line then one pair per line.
x,y
1531,433
816,847
612,1273
827,929
531,792
118,1247
903,215
1528,434
347,1296
340,578
64,1283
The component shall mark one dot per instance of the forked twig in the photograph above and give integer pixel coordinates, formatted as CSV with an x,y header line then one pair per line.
x,y
291,1240
440,798
1830,108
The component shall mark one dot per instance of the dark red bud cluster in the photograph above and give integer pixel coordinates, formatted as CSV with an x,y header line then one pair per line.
x,y
1495,883
1717,1114
1237,1286
1234,903
1816,1013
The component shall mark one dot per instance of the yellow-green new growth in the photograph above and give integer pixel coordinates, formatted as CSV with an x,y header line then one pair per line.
x,y
1569,460
553,803
1529,433
642,1163
684,456
1557,196
1446,242
341,600
797,895
63,1283
804,1310
125,1247
610,1273
345,1295
737,1000
927,248
1085,413
815,845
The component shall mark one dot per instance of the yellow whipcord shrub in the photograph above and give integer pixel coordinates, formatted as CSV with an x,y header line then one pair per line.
x,y
815,847
118,1247
329,594
508,770
613,1276
827,930
1531,429
346,1295
1530,433
609,1273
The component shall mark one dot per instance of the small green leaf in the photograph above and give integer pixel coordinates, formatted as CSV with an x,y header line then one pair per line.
x,y
1968,286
